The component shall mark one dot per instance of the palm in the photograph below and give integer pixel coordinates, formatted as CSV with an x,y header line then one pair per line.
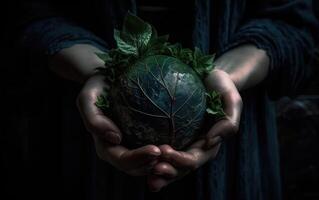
x,y
177,164
107,136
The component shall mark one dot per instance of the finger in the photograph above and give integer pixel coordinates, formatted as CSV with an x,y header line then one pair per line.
x,y
204,154
212,152
156,183
165,169
109,152
127,160
94,119
140,157
181,159
212,142
144,170
195,156
221,82
150,166
232,106
221,130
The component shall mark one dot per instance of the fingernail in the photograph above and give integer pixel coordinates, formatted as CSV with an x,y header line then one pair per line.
x,y
113,137
155,152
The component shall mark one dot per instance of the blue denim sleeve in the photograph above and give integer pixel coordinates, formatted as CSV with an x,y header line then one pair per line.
x,y
50,35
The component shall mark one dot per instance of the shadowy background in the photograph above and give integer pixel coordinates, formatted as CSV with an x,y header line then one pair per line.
x,y
24,160
298,133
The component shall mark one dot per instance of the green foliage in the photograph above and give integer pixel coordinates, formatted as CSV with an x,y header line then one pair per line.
x,y
138,40
201,64
214,105
102,102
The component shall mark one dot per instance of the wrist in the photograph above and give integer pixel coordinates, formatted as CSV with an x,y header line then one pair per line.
x,y
76,63
217,78
246,65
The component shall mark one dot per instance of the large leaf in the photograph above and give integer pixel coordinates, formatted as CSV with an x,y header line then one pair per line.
x,y
136,33
125,45
138,29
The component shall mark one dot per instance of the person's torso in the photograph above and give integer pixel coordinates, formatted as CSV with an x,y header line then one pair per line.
x,y
169,17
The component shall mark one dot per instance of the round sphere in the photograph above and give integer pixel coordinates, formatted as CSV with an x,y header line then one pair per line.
x,y
159,100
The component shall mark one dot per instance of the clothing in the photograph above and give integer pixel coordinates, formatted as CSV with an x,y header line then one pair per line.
x,y
247,166
169,18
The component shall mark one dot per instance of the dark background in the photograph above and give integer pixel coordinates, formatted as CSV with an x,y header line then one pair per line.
x,y
37,145
298,133
40,152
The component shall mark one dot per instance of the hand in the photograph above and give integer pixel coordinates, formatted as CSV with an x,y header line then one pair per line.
x,y
107,135
79,63
176,164
76,63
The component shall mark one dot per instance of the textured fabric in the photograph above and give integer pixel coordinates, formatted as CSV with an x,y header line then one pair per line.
x,y
247,166
168,18
57,34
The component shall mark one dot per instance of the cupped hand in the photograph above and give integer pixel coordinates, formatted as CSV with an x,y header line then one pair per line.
x,y
107,136
176,164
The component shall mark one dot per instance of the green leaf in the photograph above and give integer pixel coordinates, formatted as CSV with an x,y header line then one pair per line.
x,y
136,27
154,35
139,32
102,101
161,40
123,45
156,46
197,53
104,56
211,111
214,105
202,64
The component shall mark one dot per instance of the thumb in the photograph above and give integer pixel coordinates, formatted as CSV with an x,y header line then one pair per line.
x,y
221,130
95,120
140,156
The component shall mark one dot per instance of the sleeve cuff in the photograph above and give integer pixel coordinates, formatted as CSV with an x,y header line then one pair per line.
x,y
49,36
286,48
